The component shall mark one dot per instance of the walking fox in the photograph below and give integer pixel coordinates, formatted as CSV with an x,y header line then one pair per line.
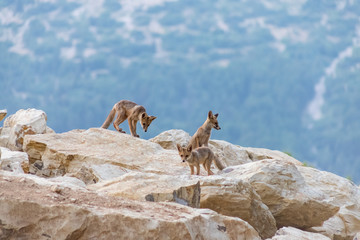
x,y
131,111
201,155
202,135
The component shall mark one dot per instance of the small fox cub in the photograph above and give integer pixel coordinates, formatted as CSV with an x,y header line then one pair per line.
x,y
202,135
201,155
132,112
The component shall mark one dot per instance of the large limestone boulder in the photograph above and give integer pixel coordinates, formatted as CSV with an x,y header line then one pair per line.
x,y
290,233
229,153
258,154
226,196
42,212
170,138
283,189
14,161
20,124
341,192
234,197
2,114
68,152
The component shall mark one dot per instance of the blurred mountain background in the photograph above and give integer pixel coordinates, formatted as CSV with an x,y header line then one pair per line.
x,y
282,74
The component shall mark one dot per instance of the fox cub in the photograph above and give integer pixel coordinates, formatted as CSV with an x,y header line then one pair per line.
x,y
132,112
201,155
202,135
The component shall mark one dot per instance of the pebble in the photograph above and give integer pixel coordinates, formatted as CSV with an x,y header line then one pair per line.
x,y
56,189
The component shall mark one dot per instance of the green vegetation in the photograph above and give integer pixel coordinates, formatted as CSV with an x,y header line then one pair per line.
x,y
181,59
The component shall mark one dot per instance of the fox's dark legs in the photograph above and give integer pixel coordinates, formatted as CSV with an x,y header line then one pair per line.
x,y
121,117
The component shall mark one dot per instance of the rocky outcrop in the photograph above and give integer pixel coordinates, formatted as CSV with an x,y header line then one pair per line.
x,y
42,212
108,185
283,189
20,124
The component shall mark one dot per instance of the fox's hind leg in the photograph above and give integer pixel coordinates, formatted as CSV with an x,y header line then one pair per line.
x,y
121,117
207,166
197,169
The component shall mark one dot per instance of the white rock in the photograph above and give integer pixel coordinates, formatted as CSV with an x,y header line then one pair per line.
x,y
23,122
170,138
14,161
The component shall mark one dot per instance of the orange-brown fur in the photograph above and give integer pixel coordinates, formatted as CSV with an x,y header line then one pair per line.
x,y
195,157
202,135
131,111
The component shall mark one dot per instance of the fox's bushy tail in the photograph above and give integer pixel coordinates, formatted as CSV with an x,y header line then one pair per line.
x,y
218,163
109,118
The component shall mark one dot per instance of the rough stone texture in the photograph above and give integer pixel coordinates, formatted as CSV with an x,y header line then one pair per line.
x,y
23,122
152,187
257,154
2,114
67,152
14,161
283,189
257,184
43,212
230,197
170,138
290,233
85,174
229,153
340,192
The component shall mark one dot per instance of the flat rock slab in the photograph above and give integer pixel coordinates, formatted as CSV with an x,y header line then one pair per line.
x,y
68,152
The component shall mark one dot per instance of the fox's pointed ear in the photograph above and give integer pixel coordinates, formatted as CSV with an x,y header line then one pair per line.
x,y
152,118
210,114
216,115
178,147
143,115
189,148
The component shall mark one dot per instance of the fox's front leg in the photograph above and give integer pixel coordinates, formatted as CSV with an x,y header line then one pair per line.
x,y
132,127
191,169
197,142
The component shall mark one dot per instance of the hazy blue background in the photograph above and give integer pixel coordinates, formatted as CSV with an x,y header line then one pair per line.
x,y
281,74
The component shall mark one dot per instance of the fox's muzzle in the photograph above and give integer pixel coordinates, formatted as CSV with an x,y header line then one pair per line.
x,y
183,160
